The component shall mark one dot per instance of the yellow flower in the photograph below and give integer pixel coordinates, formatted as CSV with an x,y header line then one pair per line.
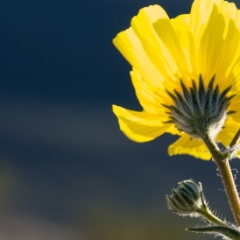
x,y
186,75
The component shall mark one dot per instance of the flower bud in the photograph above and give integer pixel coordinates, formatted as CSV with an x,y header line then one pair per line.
x,y
187,199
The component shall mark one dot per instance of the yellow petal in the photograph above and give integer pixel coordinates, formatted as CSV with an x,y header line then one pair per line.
x,y
147,96
186,145
131,48
142,25
217,47
169,38
141,46
154,12
140,126
200,12
181,24
210,45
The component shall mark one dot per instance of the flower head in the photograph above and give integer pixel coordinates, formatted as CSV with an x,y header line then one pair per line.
x,y
186,75
187,199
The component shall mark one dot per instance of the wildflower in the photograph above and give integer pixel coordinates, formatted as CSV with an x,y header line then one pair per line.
x,y
186,75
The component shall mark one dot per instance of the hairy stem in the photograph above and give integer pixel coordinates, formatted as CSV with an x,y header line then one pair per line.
x,y
222,161
211,217
230,188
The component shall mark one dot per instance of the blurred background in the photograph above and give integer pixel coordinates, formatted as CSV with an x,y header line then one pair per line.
x,y
66,170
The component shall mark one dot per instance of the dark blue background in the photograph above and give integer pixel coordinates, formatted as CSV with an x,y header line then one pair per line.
x,y
66,170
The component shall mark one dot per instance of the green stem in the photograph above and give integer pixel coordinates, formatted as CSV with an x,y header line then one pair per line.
x,y
211,217
222,161
230,188
214,149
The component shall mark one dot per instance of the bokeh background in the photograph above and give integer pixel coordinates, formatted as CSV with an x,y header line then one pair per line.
x,y
66,171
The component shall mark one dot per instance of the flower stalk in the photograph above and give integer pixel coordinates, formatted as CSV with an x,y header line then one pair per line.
x,y
230,187
222,161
